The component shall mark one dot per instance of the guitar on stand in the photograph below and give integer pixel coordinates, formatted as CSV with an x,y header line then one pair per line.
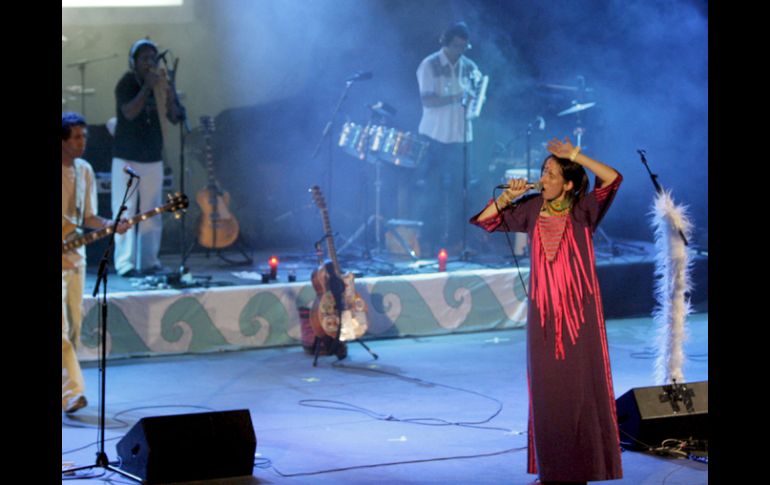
x,y
338,310
218,227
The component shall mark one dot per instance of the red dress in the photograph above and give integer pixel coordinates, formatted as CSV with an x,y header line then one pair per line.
x,y
573,433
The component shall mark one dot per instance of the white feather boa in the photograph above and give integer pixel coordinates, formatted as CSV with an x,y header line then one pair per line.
x,y
672,287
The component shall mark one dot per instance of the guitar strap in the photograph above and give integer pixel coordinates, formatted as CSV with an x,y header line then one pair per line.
x,y
76,211
79,199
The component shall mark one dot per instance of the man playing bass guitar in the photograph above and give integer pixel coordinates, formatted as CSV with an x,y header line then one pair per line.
x,y
78,209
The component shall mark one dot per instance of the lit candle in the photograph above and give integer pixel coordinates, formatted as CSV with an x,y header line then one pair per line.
x,y
442,255
273,263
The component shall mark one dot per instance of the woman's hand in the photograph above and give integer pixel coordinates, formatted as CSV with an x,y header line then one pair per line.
x,y
561,149
516,188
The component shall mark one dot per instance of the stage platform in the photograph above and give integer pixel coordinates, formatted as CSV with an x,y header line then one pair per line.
x,y
224,306
430,410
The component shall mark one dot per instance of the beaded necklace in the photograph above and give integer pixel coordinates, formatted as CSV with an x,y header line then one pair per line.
x,y
557,207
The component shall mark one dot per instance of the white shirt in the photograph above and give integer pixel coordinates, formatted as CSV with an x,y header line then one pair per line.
x,y
78,201
437,76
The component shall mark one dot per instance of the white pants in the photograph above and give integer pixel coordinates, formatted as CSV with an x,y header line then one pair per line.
x,y
72,384
138,248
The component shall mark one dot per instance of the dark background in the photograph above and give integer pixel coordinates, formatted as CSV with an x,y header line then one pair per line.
x,y
272,72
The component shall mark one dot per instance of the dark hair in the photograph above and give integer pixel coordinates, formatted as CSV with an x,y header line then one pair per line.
x,y
458,29
68,120
572,172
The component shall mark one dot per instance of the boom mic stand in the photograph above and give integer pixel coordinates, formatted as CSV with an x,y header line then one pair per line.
x,y
360,76
102,461
465,254
183,275
325,134
81,65
658,188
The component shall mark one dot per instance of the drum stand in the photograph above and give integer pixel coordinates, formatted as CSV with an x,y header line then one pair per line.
x,y
375,218
614,247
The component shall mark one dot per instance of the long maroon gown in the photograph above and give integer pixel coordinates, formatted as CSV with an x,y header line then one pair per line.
x,y
573,433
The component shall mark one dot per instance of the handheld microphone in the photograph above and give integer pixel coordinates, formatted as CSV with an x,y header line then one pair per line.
x,y
130,171
162,55
536,186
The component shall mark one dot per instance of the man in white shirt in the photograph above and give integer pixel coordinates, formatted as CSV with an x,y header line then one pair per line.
x,y
78,209
445,80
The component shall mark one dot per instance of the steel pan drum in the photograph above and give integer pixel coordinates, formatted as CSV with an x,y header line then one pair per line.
x,y
381,143
403,148
353,140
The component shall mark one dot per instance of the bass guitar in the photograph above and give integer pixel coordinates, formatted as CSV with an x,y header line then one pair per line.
x,y
218,227
177,201
338,310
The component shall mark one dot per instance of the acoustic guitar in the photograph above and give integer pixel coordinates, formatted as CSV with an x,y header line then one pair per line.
x,y
218,227
176,202
338,310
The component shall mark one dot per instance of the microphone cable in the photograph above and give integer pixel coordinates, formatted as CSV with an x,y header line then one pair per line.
x,y
508,240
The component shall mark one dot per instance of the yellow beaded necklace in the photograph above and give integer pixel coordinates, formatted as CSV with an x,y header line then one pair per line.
x,y
557,207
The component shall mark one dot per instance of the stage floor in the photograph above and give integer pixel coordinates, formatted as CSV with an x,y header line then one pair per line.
x,y
356,429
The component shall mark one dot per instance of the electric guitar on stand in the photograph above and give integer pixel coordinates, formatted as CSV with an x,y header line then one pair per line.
x,y
338,310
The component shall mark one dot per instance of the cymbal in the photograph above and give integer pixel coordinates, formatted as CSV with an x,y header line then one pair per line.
x,y
78,90
562,87
576,108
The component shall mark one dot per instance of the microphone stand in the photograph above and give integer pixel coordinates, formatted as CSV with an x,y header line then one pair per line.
x,y
465,254
81,65
658,188
325,134
182,276
102,461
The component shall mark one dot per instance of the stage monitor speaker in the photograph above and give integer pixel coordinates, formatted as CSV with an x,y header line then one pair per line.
x,y
189,447
649,415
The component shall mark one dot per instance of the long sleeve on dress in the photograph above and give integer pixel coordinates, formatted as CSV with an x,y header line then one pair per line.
x,y
516,217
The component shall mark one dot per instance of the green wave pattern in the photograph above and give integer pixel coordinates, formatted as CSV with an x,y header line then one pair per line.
x,y
266,309
486,310
123,338
205,335
269,307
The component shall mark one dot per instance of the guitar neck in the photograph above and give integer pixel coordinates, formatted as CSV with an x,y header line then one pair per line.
x,y
209,161
98,234
330,241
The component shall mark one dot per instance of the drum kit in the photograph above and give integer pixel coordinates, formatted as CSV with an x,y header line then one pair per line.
x,y
523,168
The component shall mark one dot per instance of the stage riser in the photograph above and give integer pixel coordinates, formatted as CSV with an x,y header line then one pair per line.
x,y
242,317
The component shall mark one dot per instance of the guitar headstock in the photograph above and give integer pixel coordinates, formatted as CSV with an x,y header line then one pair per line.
x,y
177,202
318,197
207,122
